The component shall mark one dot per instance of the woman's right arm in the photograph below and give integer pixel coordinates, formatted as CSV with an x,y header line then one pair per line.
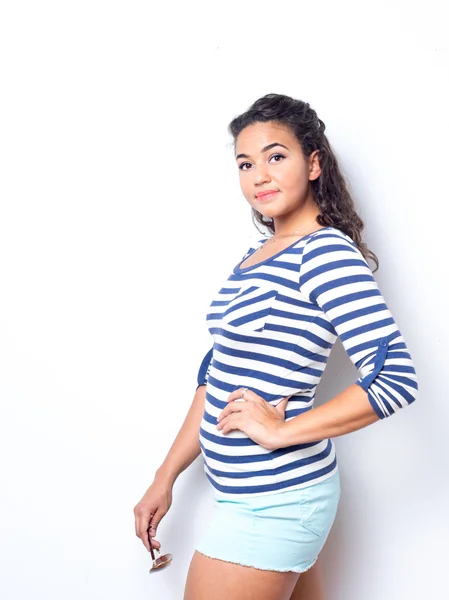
x,y
184,450
186,446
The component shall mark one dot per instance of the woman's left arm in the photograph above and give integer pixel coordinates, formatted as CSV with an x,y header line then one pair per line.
x,y
348,411
337,278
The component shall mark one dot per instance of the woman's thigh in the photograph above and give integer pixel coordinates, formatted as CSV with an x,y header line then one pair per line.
x,y
310,585
209,578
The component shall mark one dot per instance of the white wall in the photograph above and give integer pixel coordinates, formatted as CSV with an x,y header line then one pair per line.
x,y
118,189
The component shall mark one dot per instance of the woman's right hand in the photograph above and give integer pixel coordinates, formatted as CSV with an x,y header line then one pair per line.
x,y
156,501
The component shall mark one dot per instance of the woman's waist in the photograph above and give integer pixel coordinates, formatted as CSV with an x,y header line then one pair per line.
x,y
236,452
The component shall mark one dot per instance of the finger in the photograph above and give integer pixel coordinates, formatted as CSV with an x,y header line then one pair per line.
x,y
152,532
237,394
147,525
281,405
142,530
142,515
156,545
154,542
250,396
231,408
231,423
282,401
154,522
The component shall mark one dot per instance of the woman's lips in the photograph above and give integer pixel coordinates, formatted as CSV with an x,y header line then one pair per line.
x,y
267,196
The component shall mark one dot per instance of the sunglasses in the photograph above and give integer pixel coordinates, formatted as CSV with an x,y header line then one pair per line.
x,y
161,561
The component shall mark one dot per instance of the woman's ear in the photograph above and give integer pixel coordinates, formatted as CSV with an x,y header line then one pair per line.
x,y
314,165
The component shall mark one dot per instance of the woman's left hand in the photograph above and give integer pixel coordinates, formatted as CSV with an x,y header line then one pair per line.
x,y
254,416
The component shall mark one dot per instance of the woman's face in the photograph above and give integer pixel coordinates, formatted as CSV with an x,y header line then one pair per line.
x,y
269,157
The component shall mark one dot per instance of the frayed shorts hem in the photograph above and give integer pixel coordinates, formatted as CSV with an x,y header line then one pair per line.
x,y
277,569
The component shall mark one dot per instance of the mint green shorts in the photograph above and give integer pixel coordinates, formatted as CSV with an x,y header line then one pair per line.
x,y
284,531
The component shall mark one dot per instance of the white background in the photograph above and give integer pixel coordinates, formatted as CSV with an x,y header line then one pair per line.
x,y
121,213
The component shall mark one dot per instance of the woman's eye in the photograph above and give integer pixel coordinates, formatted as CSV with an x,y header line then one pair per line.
x,y
242,165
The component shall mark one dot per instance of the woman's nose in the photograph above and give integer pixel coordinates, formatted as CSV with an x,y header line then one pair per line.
x,y
262,175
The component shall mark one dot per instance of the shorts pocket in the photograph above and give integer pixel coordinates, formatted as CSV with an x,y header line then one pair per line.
x,y
318,505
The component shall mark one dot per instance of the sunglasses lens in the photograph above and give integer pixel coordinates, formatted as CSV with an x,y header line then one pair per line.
x,y
161,562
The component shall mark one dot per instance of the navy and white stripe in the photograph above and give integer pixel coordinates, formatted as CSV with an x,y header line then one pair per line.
x,y
273,326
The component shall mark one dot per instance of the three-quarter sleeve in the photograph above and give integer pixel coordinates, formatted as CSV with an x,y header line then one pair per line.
x,y
203,371
336,277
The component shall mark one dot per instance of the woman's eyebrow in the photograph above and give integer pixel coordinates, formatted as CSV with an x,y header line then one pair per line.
x,y
264,149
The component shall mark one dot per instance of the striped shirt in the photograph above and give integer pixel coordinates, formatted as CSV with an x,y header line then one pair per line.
x,y
273,326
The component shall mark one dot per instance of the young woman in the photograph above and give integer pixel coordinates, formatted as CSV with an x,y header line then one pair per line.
x,y
269,457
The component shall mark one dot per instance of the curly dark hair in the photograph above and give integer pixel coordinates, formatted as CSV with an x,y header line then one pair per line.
x,y
330,189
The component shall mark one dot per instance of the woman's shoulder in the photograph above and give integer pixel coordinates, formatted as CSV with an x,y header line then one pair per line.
x,y
254,243
329,235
